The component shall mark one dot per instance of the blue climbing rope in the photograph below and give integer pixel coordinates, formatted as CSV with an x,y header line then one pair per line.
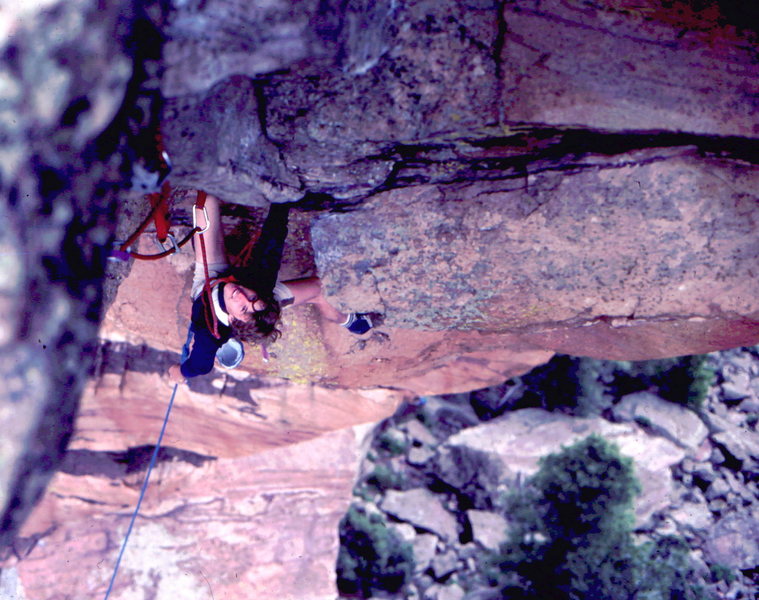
x,y
142,492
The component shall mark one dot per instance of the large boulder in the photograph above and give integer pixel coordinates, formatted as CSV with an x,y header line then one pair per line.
x,y
677,423
733,542
519,439
423,510
489,529
737,440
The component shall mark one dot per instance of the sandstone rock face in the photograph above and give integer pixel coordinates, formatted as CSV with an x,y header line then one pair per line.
x,y
504,216
380,94
587,191
244,527
557,254
212,41
152,308
198,130
607,72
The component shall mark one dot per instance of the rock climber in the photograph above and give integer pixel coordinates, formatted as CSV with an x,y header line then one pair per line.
x,y
244,304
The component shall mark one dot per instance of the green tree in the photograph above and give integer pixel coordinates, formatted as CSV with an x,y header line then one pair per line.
x,y
372,557
573,534
588,386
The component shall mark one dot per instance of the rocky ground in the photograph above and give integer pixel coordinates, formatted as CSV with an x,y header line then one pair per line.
x,y
423,478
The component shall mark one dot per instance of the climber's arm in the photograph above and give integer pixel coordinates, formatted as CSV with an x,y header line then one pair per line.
x,y
309,291
202,355
201,358
267,253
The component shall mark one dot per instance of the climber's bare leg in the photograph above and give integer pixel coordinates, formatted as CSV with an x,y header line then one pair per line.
x,y
213,237
309,291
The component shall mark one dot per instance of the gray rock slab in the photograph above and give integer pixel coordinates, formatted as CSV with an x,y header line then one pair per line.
x,y
405,531
671,420
419,455
423,509
718,489
488,528
693,516
425,545
417,431
750,405
445,564
734,542
445,592
741,442
520,438
737,388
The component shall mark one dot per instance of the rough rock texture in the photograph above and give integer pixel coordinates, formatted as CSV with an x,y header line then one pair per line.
x,y
513,221
391,93
152,308
63,76
658,237
628,66
199,129
733,542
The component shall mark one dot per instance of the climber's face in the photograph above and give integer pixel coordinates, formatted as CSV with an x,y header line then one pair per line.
x,y
241,302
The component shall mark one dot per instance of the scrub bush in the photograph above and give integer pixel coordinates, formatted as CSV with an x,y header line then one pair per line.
x,y
392,444
471,475
684,380
572,538
383,478
372,557
587,386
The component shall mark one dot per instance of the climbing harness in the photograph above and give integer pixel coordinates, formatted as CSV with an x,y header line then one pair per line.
x,y
142,491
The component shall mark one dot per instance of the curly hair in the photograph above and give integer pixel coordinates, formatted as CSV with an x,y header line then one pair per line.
x,y
262,327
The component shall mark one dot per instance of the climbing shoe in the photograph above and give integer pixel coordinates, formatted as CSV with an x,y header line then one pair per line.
x,y
358,323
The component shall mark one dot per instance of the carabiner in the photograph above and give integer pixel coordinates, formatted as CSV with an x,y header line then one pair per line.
x,y
174,246
195,219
